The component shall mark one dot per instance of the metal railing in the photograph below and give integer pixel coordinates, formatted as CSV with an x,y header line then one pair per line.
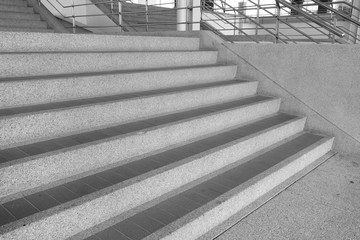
x,y
234,23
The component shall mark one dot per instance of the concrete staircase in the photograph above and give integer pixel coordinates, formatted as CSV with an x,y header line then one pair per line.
x,y
106,137
16,15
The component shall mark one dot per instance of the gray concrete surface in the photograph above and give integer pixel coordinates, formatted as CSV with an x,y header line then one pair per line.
x,y
26,127
318,81
36,91
312,80
322,205
40,64
35,42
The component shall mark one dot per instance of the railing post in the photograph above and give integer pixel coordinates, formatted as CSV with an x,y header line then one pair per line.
x,y
257,19
147,15
181,15
120,15
277,22
196,15
73,17
356,16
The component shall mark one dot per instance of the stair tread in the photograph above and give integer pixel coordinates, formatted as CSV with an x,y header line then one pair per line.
x,y
100,100
23,207
102,73
176,206
188,201
11,154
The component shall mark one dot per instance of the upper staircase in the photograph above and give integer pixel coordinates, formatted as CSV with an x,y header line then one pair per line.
x,y
135,137
16,15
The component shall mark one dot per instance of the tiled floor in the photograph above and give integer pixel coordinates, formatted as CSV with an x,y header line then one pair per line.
x,y
43,200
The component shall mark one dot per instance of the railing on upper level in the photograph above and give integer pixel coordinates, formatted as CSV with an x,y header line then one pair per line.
x,y
281,21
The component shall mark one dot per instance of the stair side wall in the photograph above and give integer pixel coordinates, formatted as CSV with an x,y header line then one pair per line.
x,y
322,86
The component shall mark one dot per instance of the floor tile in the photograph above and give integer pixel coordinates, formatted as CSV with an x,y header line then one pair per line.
x,y
172,208
42,201
61,194
146,222
160,215
131,230
111,176
96,182
20,208
6,217
12,154
79,188
111,234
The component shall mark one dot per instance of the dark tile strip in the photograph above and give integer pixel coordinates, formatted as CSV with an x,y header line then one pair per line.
x,y
178,206
11,154
84,186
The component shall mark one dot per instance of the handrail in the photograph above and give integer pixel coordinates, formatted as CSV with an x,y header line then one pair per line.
x,y
296,29
323,24
225,20
250,19
336,12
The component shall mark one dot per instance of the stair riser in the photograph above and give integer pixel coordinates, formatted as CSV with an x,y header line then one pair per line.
x,y
245,195
60,165
35,42
14,2
27,127
69,222
14,93
18,65
12,8
22,23
22,16
25,30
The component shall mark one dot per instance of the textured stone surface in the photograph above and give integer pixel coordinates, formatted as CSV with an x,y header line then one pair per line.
x,y
34,64
323,205
70,162
312,80
69,222
55,122
30,42
36,91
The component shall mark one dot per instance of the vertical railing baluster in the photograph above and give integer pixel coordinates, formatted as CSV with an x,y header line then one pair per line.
x,y
120,15
147,15
73,17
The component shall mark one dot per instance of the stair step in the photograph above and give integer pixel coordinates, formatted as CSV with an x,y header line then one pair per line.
x,y
15,8
196,210
23,124
42,42
14,2
176,168
122,142
20,23
19,15
35,64
40,90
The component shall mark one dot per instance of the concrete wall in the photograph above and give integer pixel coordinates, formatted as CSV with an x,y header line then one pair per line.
x,y
319,81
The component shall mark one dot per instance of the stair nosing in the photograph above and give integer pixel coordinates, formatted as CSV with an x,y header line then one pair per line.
x,y
115,187
130,97
115,72
124,135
